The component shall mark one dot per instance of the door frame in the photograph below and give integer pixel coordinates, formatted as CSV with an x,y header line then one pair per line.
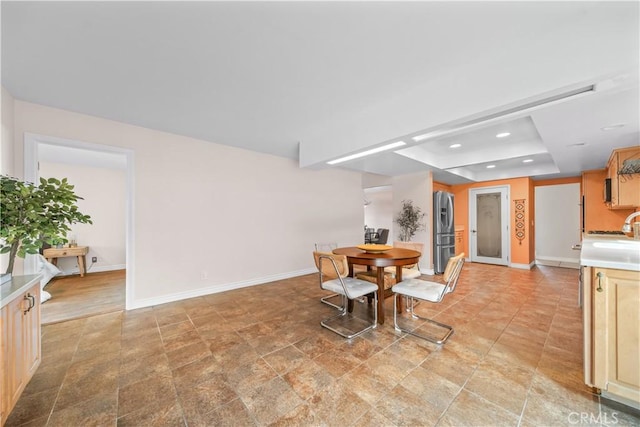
x,y
505,215
31,144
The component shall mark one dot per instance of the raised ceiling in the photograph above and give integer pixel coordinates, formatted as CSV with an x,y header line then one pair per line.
x,y
314,81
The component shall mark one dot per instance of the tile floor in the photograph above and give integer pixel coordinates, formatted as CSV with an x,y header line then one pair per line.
x,y
258,356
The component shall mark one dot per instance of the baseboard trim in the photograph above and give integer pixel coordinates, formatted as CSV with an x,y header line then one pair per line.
x,y
95,269
558,259
523,266
148,302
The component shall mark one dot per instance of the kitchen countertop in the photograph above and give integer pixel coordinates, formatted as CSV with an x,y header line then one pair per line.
x,y
610,251
16,286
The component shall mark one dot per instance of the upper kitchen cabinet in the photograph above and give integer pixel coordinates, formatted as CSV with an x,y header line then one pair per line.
x,y
623,170
595,212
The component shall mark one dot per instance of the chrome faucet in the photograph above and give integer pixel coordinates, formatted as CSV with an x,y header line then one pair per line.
x,y
626,228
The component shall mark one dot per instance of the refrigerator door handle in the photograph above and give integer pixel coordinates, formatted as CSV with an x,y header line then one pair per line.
x,y
450,211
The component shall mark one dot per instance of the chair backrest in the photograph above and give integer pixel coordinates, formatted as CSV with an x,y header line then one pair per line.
x,y
452,271
415,246
383,236
331,266
325,246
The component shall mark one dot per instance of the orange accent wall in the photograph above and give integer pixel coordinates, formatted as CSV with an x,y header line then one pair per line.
x,y
597,215
520,188
438,186
530,218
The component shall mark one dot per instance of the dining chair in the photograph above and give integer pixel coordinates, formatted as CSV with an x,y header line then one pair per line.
x,y
433,292
369,235
409,271
371,276
333,271
328,249
382,235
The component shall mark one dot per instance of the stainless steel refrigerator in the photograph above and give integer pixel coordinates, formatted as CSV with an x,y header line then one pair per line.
x,y
444,245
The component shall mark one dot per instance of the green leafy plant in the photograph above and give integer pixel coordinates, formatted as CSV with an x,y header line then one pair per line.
x,y
32,215
409,220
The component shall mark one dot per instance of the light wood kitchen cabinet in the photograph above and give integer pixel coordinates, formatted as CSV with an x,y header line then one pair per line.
x,y
612,328
596,214
459,239
625,187
20,347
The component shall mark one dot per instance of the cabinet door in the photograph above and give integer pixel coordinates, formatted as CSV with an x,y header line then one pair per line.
x,y
616,346
20,346
3,367
14,378
628,184
459,241
31,332
625,188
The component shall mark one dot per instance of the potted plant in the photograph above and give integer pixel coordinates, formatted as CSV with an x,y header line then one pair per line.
x,y
409,220
32,215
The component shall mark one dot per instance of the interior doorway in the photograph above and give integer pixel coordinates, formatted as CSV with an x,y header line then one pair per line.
x,y
378,209
557,213
489,225
34,144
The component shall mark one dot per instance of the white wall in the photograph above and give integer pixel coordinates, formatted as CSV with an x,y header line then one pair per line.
x,y
6,149
209,217
103,193
557,222
417,188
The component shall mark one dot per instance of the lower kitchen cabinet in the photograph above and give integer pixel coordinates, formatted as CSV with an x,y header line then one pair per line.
x,y
20,346
459,237
612,332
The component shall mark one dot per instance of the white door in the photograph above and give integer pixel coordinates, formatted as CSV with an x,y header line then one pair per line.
x,y
489,225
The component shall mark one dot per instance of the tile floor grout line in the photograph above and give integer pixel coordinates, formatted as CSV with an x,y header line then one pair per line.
x,y
65,376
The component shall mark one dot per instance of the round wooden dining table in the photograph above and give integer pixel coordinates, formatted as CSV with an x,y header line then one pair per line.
x,y
395,257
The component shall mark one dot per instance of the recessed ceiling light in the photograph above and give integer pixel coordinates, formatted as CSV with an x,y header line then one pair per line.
x,y
527,161
612,127
577,144
368,152
455,146
491,166
503,134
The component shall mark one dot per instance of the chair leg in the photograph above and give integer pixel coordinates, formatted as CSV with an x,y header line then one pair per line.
x,y
414,303
435,340
326,301
327,323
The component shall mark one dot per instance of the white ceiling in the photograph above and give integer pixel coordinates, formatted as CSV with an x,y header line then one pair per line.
x,y
318,80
